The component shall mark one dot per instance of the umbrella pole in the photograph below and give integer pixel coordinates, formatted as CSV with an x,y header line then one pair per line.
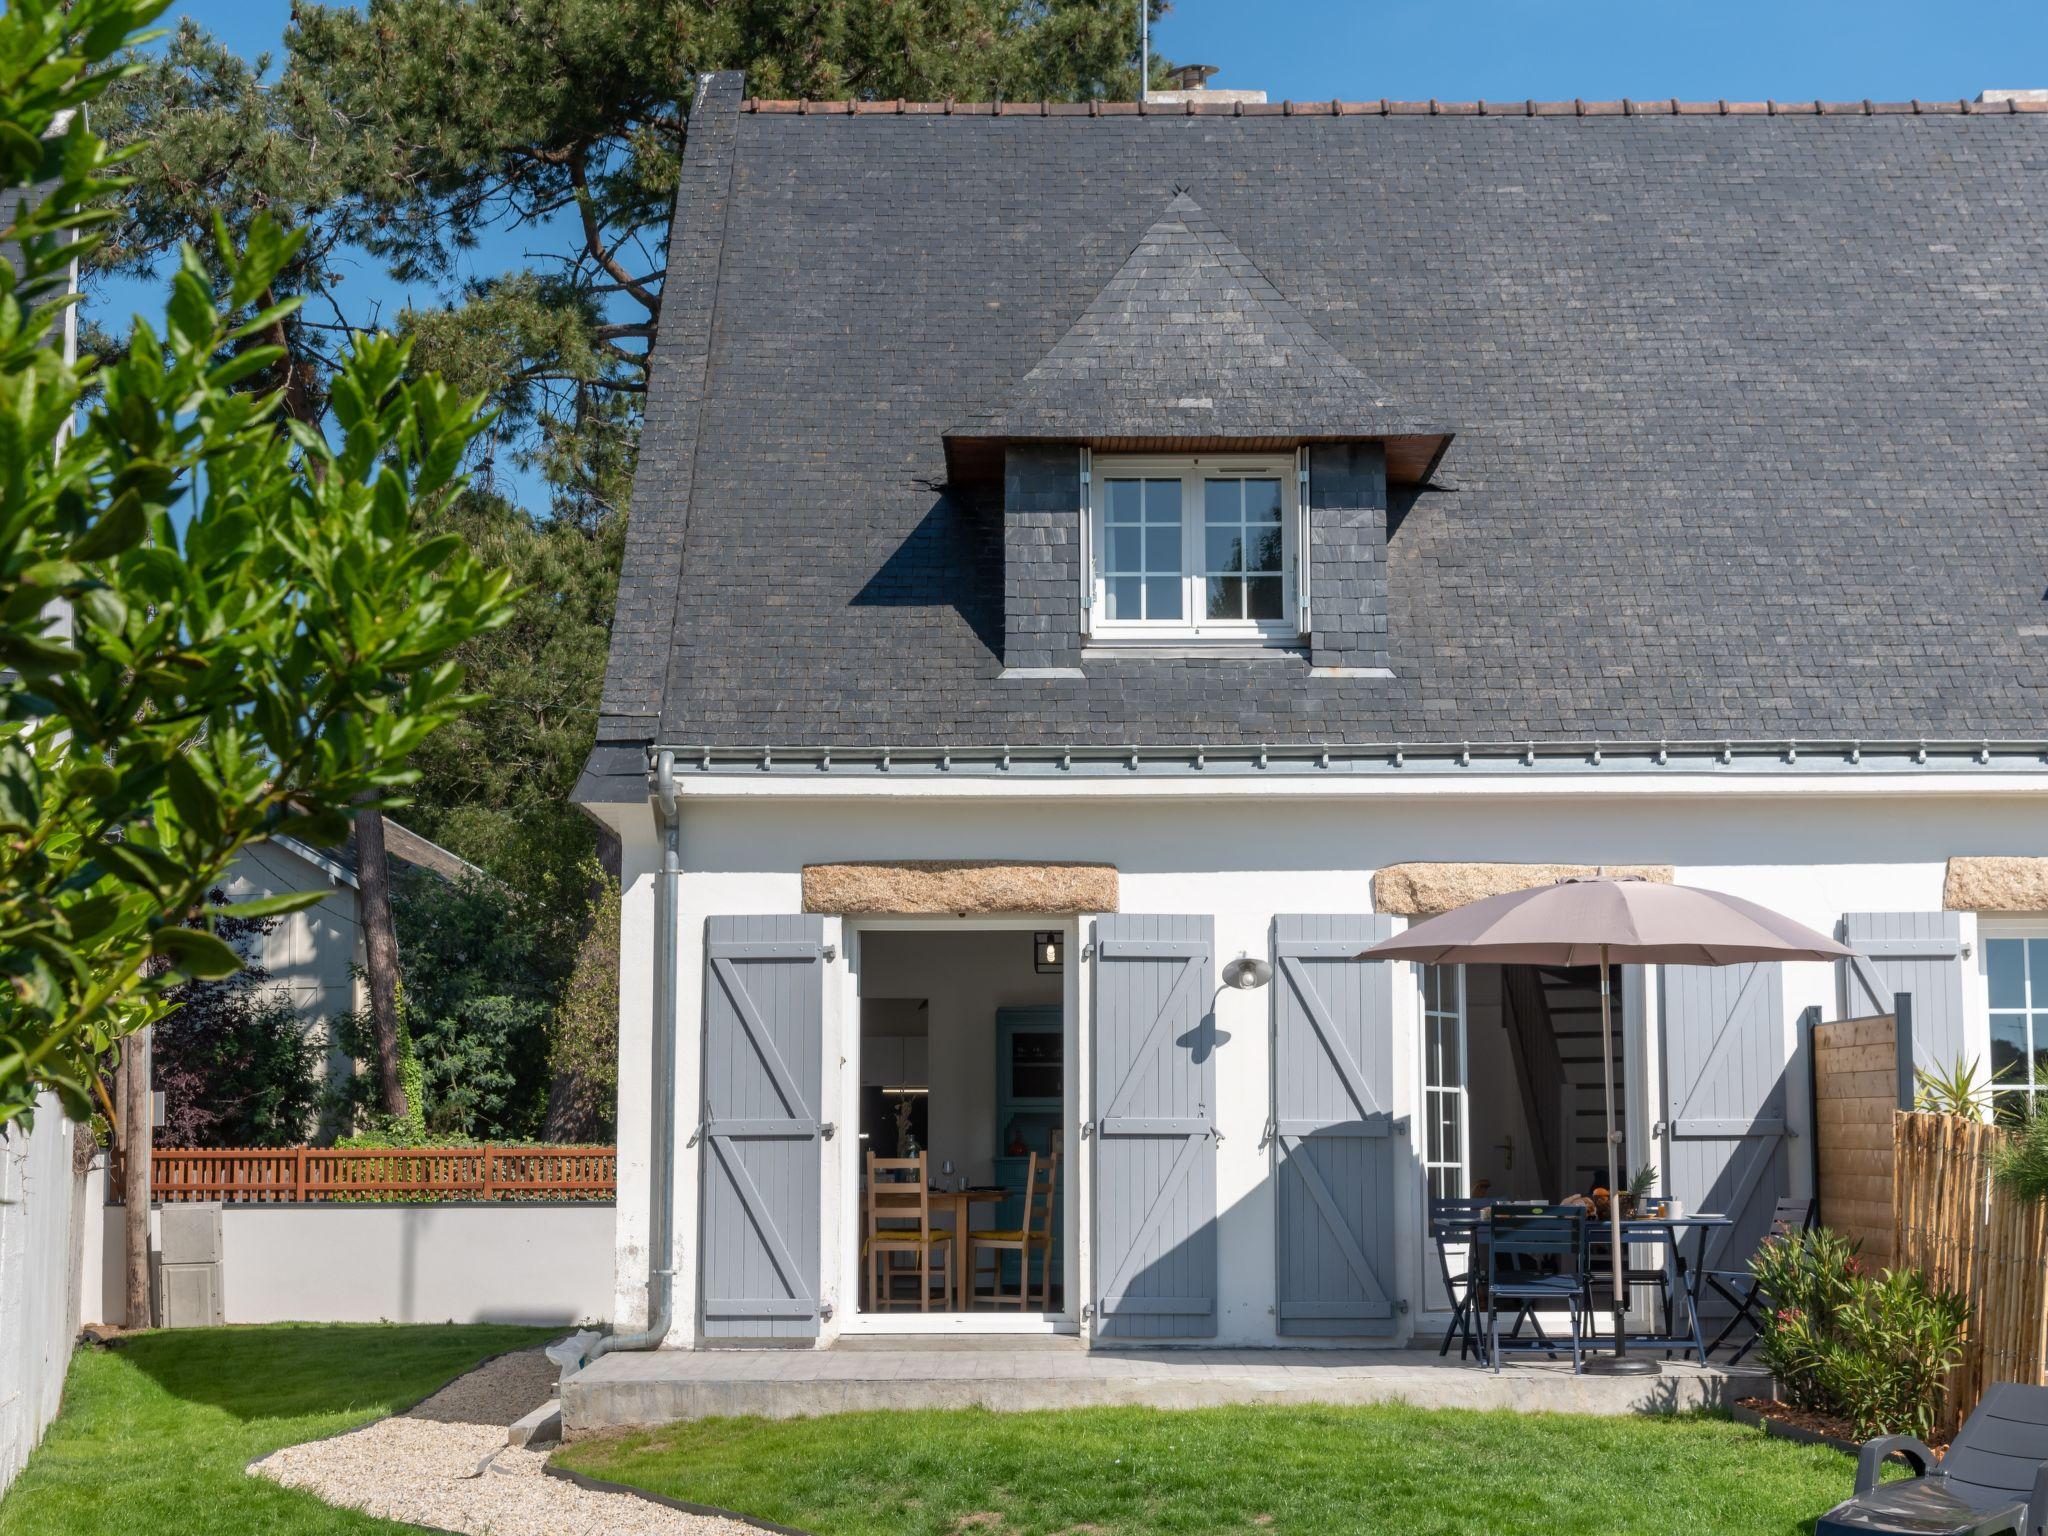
x,y
1621,1362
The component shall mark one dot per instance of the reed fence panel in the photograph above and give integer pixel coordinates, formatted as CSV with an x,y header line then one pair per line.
x,y
277,1175
1964,1233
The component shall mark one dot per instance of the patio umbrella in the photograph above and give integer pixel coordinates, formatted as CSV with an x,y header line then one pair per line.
x,y
1580,921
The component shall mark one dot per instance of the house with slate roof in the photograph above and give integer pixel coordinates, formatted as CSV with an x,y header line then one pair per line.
x,y
1094,568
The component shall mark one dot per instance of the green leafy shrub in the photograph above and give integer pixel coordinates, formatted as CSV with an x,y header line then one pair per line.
x,y
583,1035
1872,1349
2020,1165
481,977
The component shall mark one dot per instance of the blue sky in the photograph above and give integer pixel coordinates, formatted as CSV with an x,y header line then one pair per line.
x,y
1457,50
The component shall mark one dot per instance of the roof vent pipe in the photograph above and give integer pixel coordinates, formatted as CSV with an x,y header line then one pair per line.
x,y
662,1174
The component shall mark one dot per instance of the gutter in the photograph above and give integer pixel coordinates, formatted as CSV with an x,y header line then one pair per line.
x,y
661,1223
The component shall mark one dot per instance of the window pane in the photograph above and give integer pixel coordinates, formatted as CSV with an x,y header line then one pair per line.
x,y
1222,501
1124,599
2041,1050
1162,501
1226,597
2006,960
1264,550
1451,1136
1262,501
2009,1108
2037,972
1162,597
1123,501
2008,1048
1126,549
1451,976
1224,548
1262,597
1162,551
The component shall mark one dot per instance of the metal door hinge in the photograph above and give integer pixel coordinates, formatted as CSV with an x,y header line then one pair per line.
x,y
1266,1134
831,951
1401,1306
1087,1311
825,1310
1087,1129
827,1129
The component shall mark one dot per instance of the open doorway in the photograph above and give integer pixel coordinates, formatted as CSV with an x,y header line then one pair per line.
x,y
960,1197
1512,1083
1512,1092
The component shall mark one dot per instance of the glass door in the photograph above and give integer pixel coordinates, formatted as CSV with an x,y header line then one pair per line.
x,y
1446,1152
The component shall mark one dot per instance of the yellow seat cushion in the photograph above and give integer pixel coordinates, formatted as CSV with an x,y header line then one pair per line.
x,y
906,1240
995,1237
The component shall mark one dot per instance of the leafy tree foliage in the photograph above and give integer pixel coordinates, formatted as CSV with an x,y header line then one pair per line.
x,y
244,670
583,1035
232,1057
481,976
401,132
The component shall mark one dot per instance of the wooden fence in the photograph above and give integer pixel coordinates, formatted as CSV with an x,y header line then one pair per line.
x,y
1856,1072
280,1175
1955,1226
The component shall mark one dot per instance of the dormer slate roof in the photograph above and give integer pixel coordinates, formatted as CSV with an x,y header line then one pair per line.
x,y
1752,422
1188,342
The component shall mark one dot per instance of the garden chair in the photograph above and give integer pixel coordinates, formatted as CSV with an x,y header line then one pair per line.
x,y
1993,1482
1600,1270
894,1202
1041,1179
1739,1286
1535,1255
1455,1223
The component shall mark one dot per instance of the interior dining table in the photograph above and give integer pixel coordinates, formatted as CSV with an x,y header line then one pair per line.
x,y
960,1203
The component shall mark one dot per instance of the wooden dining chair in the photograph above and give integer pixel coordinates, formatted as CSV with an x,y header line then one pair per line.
x,y
893,1204
1041,1180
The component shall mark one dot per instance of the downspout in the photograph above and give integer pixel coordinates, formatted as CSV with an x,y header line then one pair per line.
x,y
661,1223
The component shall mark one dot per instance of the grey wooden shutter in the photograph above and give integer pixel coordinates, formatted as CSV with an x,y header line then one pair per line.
x,y
1155,1128
1334,1145
1725,1063
1916,952
764,1018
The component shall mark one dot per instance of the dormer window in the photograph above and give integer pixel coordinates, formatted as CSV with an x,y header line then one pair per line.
x,y
1205,547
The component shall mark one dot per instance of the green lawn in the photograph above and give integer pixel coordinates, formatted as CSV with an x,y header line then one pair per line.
x,y
1272,1471
154,1435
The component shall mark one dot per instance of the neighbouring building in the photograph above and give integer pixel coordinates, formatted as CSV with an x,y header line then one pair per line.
x,y
1078,548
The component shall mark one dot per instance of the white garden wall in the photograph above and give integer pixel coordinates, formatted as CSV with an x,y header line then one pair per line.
x,y
41,1224
546,1264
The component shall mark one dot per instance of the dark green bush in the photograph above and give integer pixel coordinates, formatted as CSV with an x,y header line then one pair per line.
x,y
1872,1349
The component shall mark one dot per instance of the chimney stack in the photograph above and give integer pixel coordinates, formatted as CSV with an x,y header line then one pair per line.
x,y
1191,83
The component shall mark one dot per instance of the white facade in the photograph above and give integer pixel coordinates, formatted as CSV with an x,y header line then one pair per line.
x,y
1242,852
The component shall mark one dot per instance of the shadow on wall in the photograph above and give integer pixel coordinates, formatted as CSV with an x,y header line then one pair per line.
x,y
953,559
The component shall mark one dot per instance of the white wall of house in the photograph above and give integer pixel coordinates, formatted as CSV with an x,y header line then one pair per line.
x,y
42,1216
1246,852
541,1263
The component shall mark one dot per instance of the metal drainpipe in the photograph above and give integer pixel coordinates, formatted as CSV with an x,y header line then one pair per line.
x,y
661,1225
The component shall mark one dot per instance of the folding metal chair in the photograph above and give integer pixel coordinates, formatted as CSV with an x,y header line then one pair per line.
x,y
1739,1286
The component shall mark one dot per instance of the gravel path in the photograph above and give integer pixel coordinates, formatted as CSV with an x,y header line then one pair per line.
x,y
445,1464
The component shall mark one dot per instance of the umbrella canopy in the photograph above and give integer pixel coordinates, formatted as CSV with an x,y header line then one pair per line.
x,y
1623,920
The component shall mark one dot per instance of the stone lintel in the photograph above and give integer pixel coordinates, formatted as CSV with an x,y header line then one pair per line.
x,y
1996,883
958,888
1424,890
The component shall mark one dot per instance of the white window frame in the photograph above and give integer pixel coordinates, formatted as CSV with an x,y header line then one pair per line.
x,y
1990,930
1459,1091
1191,470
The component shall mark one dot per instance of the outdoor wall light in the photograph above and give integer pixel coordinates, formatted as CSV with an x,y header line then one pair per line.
x,y
1245,973
1049,952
